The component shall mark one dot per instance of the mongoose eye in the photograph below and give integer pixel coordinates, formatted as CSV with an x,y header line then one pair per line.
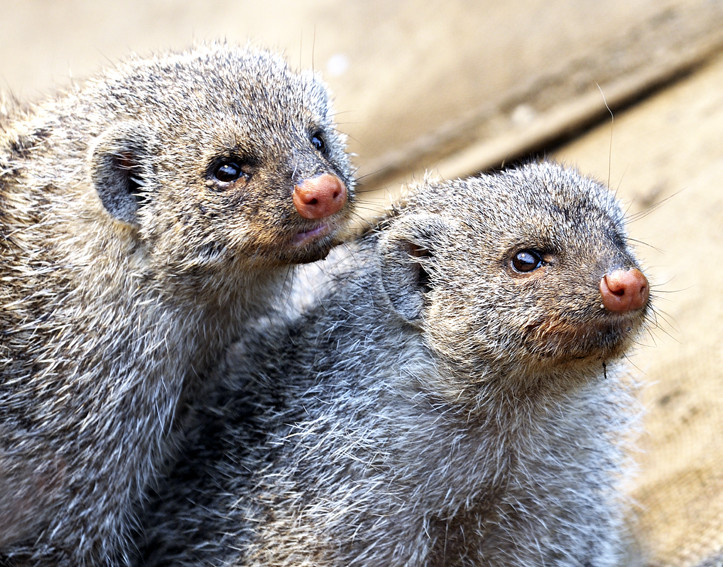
x,y
618,240
317,140
526,261
227,171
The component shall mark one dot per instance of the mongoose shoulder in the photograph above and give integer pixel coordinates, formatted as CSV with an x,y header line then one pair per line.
x,y
455,399
144,218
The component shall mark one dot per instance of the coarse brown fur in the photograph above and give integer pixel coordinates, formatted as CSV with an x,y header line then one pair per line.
x,y
144,218
435,407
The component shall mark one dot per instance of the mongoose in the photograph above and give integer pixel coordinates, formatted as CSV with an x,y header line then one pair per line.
x,y
454,398
144,218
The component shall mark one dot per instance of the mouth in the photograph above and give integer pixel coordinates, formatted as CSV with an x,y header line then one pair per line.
x,y
301,239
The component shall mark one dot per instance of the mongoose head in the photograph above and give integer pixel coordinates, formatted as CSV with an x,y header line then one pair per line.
x,y
527,272
215,159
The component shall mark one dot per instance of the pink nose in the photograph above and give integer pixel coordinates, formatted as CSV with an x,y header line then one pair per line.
x,y
624,290
320,196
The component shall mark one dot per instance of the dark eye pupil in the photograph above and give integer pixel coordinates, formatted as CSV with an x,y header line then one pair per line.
x,y
227,172
526,261
318,142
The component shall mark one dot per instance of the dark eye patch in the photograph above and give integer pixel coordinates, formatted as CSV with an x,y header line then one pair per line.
x,y
618,240
319,142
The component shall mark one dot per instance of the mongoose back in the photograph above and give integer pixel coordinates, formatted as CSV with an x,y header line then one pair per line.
x,y
453,400
144,218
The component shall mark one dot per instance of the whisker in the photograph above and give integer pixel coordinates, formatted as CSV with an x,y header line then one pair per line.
x,y
612,124
668,324
653,207
643,243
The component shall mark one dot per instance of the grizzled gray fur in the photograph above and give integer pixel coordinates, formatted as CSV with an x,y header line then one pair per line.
x,y
144,218
455,398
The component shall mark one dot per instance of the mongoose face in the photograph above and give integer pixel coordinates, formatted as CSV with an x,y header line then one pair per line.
x,y
216,155
515,280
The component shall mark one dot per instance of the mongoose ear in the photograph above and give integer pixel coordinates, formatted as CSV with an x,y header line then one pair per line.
x,y
407,250
121,167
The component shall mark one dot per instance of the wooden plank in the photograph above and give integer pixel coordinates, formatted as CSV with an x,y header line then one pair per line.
x,y
559,96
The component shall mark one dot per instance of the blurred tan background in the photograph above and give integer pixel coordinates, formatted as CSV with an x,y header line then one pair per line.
x,y
458,87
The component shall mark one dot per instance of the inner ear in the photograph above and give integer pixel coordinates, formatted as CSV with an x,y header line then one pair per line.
x,y
130,166
120,166
417,251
